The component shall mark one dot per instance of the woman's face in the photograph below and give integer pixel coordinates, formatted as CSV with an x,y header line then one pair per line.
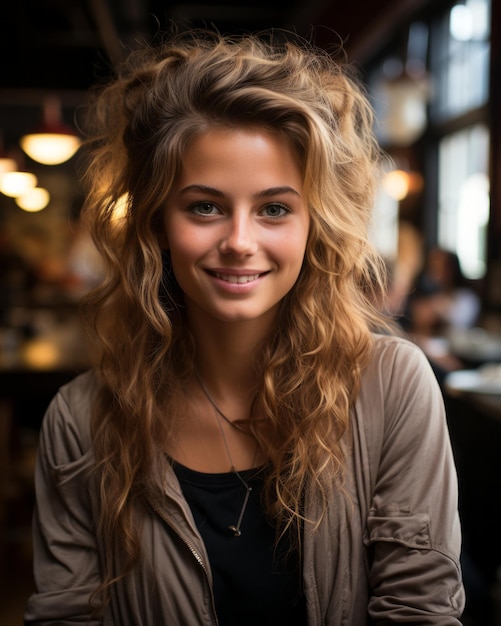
x,y
236,224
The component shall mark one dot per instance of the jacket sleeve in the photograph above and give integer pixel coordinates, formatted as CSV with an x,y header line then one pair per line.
x,y
66,566
413,533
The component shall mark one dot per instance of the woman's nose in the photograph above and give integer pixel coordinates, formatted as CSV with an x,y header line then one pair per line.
x,y
240,237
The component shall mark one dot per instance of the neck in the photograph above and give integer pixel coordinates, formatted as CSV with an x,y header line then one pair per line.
x,y
226,353
226,358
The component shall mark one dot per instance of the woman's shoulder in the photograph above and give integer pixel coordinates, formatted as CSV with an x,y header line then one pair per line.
x,y
398,380
397,370
399,399
81,390
390,351
66,424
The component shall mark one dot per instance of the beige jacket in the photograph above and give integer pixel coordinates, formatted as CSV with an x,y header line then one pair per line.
x,y
388,554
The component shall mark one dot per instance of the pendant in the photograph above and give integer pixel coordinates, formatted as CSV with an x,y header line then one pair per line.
x,y
236,531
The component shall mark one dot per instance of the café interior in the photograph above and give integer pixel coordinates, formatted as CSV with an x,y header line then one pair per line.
x,y
432,70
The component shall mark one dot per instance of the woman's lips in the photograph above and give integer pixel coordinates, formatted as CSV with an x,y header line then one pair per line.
x,y
237,282
239,279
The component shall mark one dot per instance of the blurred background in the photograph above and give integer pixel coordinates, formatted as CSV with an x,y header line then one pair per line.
x,y
433,72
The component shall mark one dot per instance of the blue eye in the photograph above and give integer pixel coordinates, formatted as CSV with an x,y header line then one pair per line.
x,y
275,209
204,208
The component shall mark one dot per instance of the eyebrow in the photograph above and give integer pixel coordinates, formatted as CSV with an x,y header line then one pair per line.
x,y
265,193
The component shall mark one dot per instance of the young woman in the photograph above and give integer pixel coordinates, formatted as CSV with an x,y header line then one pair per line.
x,y
246,450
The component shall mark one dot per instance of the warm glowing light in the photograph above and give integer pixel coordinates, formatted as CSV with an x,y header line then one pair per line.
x,y
41,354
50,148
396,184
34,200
7,165
15,184
54,142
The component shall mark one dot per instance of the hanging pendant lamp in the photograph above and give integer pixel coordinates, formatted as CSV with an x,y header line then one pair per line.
x,y
54,142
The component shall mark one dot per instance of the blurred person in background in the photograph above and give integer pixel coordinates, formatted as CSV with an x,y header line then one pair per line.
x,y
443,298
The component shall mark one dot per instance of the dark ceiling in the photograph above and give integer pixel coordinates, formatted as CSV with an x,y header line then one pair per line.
x,y
64,46
70,44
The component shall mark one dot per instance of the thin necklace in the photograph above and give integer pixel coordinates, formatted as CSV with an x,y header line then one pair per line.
x,y
235,528
217,409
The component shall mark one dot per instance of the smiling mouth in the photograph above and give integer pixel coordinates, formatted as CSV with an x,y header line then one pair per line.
x,y
236,278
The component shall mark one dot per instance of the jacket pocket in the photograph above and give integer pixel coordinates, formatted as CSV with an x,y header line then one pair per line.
x,y
398,525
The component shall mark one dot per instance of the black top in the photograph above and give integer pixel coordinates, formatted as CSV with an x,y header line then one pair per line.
x,y
255,580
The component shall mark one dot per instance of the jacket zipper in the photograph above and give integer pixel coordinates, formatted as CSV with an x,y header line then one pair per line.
x,y
195,555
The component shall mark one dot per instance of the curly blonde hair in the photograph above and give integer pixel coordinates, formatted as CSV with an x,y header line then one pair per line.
x,y
141,125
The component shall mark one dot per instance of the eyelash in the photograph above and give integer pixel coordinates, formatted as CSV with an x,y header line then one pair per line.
x,y
195,209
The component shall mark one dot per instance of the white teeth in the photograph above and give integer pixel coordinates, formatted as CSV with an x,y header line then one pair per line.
x,y
232,278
